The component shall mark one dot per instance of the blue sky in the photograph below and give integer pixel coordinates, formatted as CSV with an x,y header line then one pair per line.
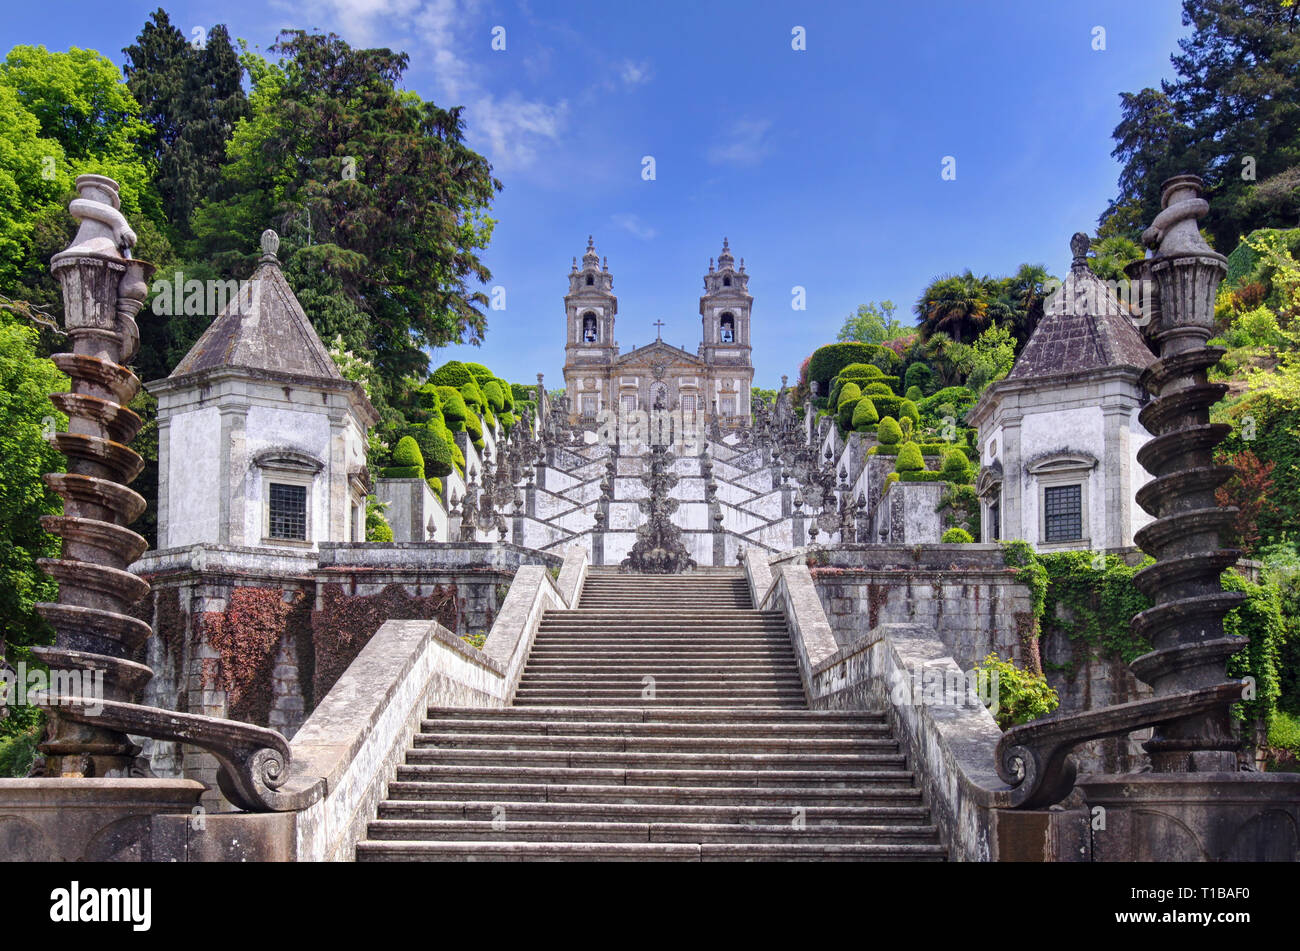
x,y
822,166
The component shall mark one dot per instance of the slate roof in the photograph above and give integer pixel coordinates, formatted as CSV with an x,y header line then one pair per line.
x,y
263,328
1084,327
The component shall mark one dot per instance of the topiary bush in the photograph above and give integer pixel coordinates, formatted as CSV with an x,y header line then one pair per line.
x,y
408,462
877,388
495,396
474,398
909,458
920,376
827,362
956,536
861,371
955,467
914,394
440,458
865,416
479,372
377,527
454,410
908,408
452,373
952,401
888,432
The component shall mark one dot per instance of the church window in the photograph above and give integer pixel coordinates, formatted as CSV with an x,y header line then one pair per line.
x,y
288,512
589,333
1062,513
726,282
591,279
728,328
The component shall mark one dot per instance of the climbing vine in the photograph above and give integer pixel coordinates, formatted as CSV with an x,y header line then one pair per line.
x,y
1091,598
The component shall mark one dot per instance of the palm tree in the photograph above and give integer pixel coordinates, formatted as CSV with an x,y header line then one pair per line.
x,y
956,305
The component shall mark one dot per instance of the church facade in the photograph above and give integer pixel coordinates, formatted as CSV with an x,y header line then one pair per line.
x,y
712,383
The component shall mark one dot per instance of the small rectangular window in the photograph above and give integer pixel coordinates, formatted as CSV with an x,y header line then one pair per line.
x,y
1063,513
688,404
629,402
288,512
995,522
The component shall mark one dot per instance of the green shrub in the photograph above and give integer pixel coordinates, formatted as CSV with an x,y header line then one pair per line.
x,y
844,415
1284,732
914,393
864,416
955,467
495,396
922,475
888,432
906,426
861,371
474,398
407,453
849,392
453,373
440,458
436,485
18,751
877,388
952,401
523,393
908,409
919,376
403,472
454,410
1021,694
956,536
909,458
507,395
427,397
479,372
827,362
891,478
377,527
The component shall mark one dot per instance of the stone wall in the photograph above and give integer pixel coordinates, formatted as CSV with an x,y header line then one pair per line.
x,y
260,636
968,597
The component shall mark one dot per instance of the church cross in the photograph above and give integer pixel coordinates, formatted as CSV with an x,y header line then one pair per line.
x,y
660,325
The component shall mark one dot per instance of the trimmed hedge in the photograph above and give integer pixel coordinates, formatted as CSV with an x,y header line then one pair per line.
x,y
876,387
454,410
404,472
861,371
921,475
888,431
909,458
914,394
452,373
919,375
956,536
479,372
494,395
407,453
865,416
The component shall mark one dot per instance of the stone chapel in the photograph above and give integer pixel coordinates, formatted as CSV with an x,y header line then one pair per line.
x,y
713,382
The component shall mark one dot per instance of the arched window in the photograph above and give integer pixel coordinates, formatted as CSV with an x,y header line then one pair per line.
x,y
591,279
728,329
726,282
589,333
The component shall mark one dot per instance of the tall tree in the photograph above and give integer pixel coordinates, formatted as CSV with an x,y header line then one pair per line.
x,y
378,200
1231,115
873,324
957,305
191,98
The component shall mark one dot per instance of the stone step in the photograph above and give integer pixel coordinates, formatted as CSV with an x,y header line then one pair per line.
x,y
667,666
523,830
647,776
627,681
789,797
638,714
649,744
523,811
471,851
675,760
662,692
544,726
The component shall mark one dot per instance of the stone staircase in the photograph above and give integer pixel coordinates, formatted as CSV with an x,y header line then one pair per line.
x,y
662,719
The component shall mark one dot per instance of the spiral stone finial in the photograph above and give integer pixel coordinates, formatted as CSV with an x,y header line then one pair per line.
x,y
1185,625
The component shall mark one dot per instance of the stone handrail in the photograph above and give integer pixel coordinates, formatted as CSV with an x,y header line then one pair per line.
x,y
341,760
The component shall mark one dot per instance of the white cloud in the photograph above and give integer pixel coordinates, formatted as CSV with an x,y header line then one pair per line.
x,y
635,74
512,129
745,143
635,226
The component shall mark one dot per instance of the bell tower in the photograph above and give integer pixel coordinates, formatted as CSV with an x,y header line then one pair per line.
x,y
725,347
589,346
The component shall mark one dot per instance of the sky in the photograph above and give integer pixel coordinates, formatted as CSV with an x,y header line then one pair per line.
x,y
822,166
